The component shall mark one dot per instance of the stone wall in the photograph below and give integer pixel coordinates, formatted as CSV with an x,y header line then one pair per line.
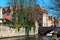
x,y
9,32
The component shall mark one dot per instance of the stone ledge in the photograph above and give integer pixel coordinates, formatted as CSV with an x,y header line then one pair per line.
x,y
10,32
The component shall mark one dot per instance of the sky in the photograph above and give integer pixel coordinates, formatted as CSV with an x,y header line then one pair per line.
x,y
47,4
4,3
51,6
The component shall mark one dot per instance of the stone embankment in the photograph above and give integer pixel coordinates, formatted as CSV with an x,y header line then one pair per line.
x,y
10,32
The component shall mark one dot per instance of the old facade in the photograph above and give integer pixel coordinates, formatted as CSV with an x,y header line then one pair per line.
x,y
50,21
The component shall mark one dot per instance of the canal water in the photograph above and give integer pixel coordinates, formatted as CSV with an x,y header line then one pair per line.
x,y
36,37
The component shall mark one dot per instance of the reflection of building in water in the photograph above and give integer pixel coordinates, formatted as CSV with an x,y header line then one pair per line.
x,y
7,13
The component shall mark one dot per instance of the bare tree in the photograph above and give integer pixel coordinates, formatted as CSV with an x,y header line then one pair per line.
x,y
23,12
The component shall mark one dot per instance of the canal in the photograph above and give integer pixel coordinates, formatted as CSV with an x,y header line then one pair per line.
x,y
36,37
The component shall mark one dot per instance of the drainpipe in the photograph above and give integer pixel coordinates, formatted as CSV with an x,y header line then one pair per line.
x,y
54,22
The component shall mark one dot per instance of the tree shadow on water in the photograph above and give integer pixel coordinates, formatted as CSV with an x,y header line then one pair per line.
x,y
30,38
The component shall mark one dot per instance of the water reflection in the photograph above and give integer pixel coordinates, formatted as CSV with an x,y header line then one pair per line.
x,y
29,38
44,38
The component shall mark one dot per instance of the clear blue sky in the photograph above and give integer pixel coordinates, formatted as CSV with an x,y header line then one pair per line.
x,y
47,4
4,3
